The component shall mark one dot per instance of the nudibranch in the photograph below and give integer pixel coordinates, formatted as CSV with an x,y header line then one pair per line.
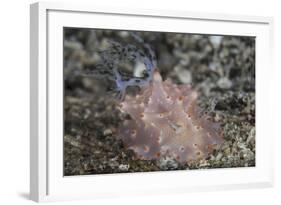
x,y
165,121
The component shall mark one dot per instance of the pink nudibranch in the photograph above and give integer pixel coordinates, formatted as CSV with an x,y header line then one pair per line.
x,y
165,121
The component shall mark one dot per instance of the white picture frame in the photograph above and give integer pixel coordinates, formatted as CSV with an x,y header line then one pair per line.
x,y
47,182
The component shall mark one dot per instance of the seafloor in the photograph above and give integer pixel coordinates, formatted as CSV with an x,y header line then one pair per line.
x,y
220,68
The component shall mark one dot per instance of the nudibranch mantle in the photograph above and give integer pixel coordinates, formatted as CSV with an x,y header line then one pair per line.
x,y
166,122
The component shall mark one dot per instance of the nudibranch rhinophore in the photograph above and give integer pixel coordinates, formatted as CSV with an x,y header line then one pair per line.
x,y
166,122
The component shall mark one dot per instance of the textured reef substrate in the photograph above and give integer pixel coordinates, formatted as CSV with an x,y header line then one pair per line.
x,y
221,69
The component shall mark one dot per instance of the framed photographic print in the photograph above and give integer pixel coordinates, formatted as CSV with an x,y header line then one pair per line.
x,y
129,101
